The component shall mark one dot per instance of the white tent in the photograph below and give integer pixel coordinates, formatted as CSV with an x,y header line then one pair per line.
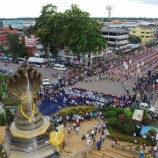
x,y
37,60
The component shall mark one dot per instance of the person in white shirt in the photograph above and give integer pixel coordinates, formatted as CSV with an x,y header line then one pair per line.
x,y
155,149
77,130
92,133
88,141
74,124
87,134
99,127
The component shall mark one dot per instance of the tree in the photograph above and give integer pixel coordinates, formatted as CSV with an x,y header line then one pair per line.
x,y
51,32
16,47
135,39
81,33
75,30
95,40
41,29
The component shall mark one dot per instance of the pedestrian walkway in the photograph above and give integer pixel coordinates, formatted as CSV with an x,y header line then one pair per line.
x,y
76,145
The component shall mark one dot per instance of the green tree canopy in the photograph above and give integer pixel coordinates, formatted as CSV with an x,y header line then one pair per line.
x,y
16,46
135,39
73,29
41,28
81,33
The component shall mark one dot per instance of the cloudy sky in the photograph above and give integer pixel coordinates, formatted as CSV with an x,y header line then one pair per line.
x,y
97,8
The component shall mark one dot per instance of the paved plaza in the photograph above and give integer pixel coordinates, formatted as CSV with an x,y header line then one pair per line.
x,y
111,87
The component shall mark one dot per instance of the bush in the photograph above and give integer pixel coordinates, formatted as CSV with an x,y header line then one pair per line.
x,y
127,128
110,114
146,120
9,116
152,131
119,111
121,117
2,120
130,139
9,102
76,110
112,121
128,112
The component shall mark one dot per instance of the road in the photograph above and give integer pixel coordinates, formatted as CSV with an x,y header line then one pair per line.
x,y
46,72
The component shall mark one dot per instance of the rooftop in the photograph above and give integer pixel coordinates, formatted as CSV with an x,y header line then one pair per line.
x,y
113,30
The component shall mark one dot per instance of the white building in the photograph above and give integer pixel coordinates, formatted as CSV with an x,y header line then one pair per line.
x,y
117,39
68,55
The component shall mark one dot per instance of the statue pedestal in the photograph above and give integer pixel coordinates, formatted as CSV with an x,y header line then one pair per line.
x,y
26,144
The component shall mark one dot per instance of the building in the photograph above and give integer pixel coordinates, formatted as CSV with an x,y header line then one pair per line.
x,y
147,35
3,36
117,39
68,55
18,24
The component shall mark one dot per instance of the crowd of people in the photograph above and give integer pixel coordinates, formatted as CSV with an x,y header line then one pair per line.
x,y
52,101
61,95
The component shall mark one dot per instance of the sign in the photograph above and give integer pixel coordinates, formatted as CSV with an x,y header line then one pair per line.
x,y
30,42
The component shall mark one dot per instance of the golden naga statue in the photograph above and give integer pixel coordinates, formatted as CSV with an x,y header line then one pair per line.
x,y
24,85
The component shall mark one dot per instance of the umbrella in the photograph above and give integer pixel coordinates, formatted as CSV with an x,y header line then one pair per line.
x,y
5,58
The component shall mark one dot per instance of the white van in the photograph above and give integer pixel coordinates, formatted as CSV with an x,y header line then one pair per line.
x,y
45,81
149,108
60,67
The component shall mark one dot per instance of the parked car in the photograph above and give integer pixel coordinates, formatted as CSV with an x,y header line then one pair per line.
x,y
67,63
146,106
60,67
45,81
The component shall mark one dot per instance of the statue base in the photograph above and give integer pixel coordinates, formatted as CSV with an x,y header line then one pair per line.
x,y
44,151
25,144
15,132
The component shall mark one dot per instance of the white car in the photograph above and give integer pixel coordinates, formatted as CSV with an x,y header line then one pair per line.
x,y
149,108
60,67
45,81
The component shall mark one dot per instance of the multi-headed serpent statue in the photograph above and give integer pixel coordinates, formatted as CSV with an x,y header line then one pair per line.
x,y
24,85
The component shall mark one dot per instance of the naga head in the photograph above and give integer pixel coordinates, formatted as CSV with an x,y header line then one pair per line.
x,y
25,77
